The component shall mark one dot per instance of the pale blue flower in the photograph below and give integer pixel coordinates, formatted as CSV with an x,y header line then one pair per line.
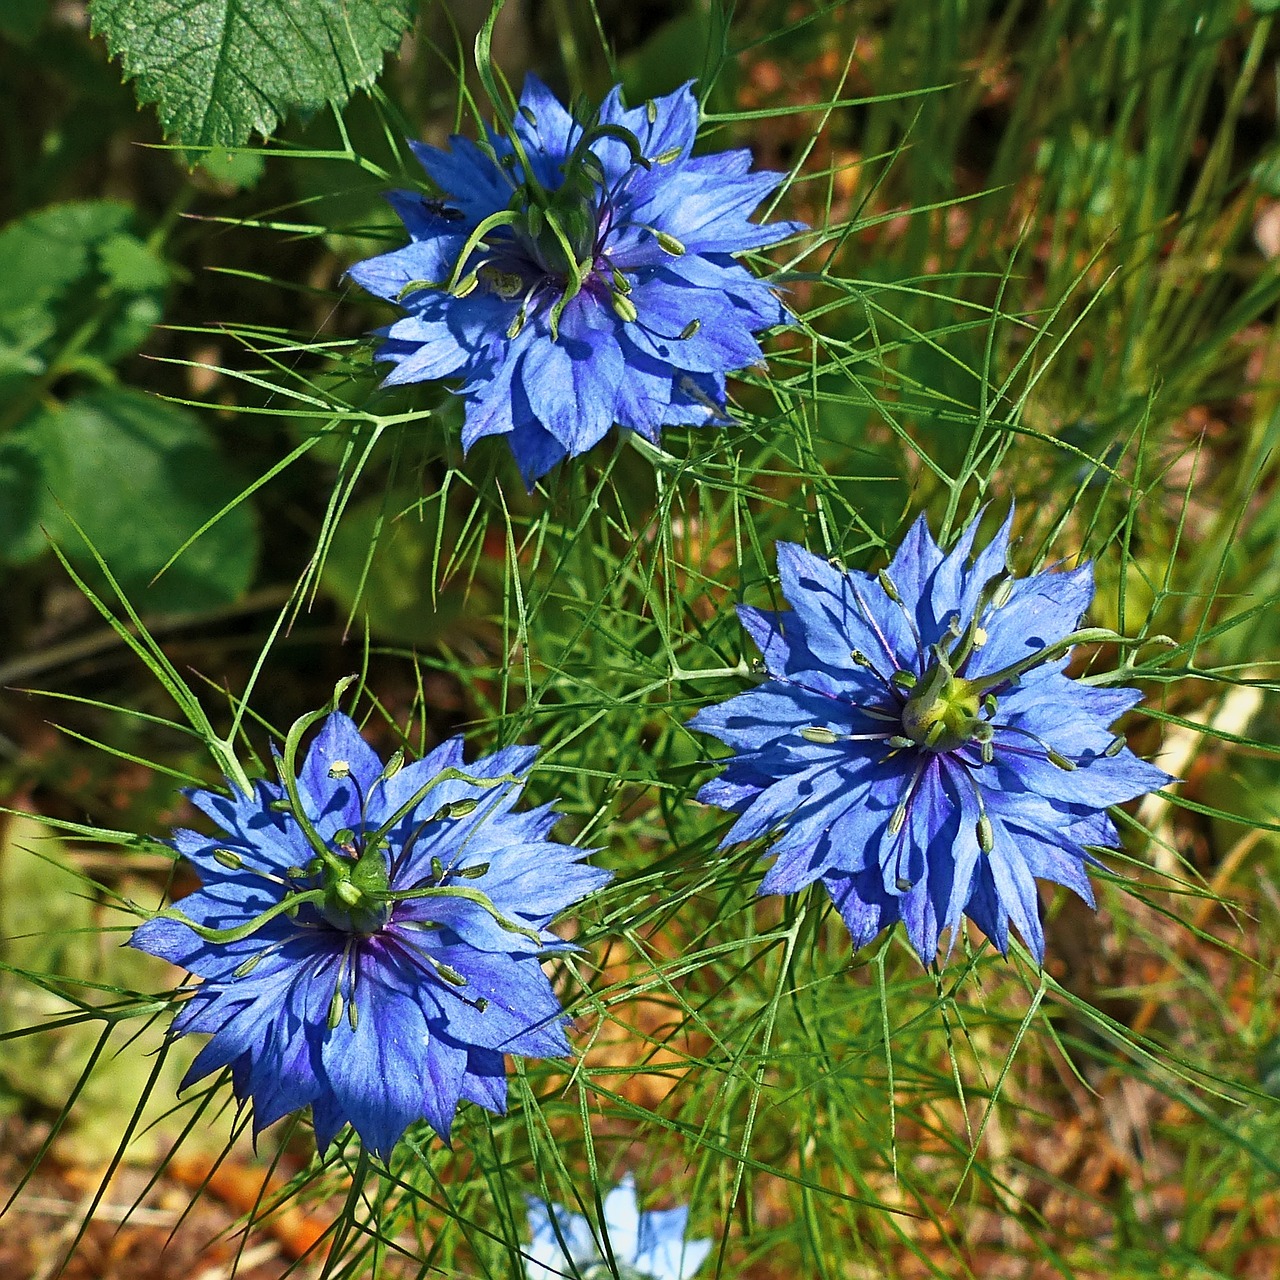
x,y
917,745
643,1246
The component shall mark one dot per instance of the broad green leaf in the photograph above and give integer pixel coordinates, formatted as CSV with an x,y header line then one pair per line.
x,y
233,170
75,271
392,591
139,476
219,70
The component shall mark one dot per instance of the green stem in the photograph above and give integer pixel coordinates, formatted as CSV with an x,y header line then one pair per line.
x,y
1087,635
471,895
445,775
238,933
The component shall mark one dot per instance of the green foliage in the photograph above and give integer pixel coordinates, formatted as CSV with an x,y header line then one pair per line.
x,y
138,476
220,70
79,291
1034,278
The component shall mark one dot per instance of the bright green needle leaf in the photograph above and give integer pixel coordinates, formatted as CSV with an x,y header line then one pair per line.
x,y
219,70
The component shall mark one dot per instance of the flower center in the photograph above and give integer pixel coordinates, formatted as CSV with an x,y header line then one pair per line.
x,y
562,236
355,893
944,711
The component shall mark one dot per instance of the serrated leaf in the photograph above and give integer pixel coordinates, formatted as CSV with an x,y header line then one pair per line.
x,y
61,264
219,70
131,265
139,476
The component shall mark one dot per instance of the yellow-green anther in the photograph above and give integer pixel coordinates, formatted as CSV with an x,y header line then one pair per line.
x,y
903,679
416,286
625,308
669,244
1057,759
858,658
899,743
899,815
986,836
887,586
448,973
903,884
819,734
295,873
353,1014
690,329
473,873
348,893
988,751
228,858
1000,596
394,765
437,869
620,282
592,167
280,806
340,769
667,156
651,111
335,1010
980,637
466,285
462,808
527,112
247,967
517,324
1114,747
989,704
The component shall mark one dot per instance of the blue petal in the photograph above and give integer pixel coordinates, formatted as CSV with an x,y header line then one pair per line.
x,y
674,127
387,275
862,902
333,802
474,184
571,384
1016,888
840,612
1040,611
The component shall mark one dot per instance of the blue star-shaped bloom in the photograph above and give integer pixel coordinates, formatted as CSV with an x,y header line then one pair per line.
x,y
408,960
579,273
644,1246
918,746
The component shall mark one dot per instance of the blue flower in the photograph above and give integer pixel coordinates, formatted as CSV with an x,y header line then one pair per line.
x,y
376,959
578,273
644,1246
918,746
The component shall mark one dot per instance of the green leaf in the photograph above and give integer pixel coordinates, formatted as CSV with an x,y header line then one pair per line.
x,y
232,170
70,265
220,70
390,586
139,476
